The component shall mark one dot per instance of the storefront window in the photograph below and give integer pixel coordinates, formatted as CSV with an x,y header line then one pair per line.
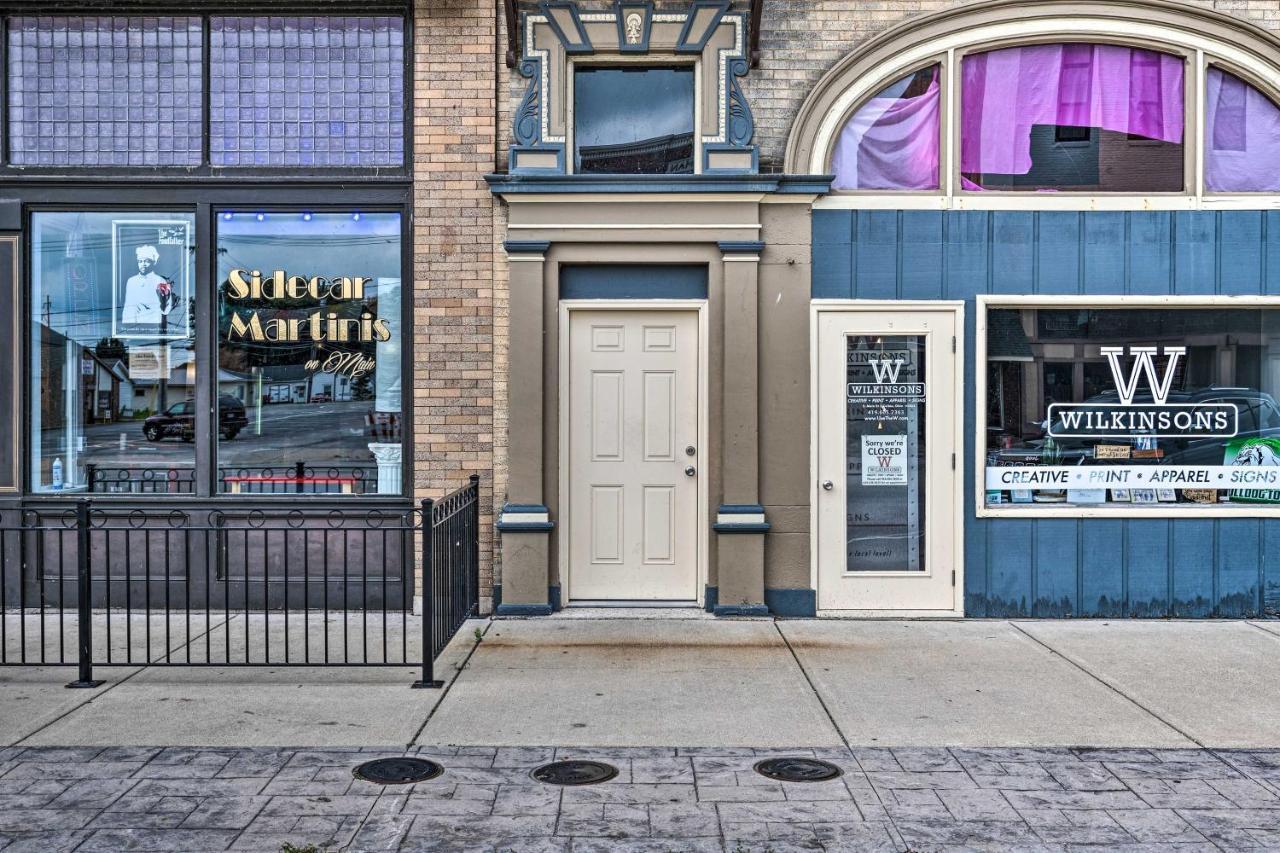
x,y
309,369
1242,136
1082,117
113,351
633,121
891,142
1168,407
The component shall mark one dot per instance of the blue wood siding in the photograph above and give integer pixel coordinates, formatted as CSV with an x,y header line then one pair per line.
x,y
1067,566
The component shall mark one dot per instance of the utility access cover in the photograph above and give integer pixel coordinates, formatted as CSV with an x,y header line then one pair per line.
x,y
798,770
398,771
575,773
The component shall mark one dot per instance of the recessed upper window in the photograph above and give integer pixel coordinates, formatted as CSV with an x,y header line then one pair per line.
x,y
633,121
891,142
1072,117
1242,136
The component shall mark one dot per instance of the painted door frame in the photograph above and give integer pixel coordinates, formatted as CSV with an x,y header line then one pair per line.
x,y
566,307
819,307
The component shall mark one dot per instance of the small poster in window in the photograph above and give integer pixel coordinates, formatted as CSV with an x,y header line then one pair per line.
x,y
1121,496
1166,496
884,460
148,362
150,289
1144,496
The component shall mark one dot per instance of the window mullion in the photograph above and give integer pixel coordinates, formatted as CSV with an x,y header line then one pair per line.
x,y
205,398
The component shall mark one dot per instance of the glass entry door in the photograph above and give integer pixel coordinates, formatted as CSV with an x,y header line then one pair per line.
x,y
887,507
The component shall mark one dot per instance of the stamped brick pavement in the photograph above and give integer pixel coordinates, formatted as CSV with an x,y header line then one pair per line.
x,y
703,799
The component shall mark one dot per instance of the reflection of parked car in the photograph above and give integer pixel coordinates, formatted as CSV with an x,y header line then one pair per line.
x,y
322,397
1259,415
180,420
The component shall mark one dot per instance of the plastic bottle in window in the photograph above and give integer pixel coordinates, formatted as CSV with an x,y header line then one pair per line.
x,y
57,473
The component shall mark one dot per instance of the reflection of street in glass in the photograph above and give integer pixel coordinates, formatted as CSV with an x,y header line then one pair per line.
x,y
315,433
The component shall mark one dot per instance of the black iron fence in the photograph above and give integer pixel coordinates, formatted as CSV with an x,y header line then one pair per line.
x,y
94,586
299,478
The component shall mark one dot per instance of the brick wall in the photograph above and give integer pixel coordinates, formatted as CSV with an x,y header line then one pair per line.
x,y
453,253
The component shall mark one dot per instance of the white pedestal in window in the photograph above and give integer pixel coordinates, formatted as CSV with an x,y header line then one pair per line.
x,y
390,467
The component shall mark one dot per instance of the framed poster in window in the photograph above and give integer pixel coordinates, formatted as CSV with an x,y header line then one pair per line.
x,y
150,290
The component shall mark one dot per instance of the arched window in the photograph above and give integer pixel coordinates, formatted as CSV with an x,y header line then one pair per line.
x,y
1241,136
891,142
1078,116
1063,106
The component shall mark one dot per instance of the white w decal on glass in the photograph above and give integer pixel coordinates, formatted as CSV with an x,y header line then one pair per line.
x,y
1143,362
886,371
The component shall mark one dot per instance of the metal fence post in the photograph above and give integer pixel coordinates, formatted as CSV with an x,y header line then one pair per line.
x,y
428,604
473,576
299,475
84,586
90,474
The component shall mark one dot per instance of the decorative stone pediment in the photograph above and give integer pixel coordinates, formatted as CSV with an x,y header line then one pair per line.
x,y
560,33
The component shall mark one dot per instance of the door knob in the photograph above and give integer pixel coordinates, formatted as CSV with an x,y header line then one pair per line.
x,y
690,450
827,485
690,471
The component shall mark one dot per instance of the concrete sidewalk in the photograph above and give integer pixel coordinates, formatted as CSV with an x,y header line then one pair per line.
x,y
577,681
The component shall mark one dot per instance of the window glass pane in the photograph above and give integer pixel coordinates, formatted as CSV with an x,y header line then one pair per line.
x,y
105,91
1169,406
1083,117
113,351
1242,136
309,353
309,91
891,142
886,453
633,120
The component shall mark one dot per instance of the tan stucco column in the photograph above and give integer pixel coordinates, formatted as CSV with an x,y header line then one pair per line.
x,y
524,523
740,519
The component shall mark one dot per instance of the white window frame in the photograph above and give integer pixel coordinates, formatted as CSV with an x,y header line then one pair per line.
x,y
1198,50
986,302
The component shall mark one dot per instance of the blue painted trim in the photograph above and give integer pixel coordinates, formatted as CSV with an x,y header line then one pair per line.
x,y
553,598
683,45
538,147
524,508
526,247
512,184
792,602
620,9
710,598
633,281
754,168
583,44
741,247
526,126
522,610
762,527
525,526
741,610
739,509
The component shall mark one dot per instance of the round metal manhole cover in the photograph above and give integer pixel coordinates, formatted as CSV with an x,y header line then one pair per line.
x,y
575,773
798,770
398,771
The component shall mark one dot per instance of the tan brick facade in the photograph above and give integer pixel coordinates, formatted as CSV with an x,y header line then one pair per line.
x,y
453,254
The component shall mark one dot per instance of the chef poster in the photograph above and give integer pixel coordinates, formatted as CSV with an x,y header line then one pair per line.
x,y
149,279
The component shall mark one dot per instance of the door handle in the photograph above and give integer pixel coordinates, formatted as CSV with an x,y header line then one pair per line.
x,y
690,471
827,485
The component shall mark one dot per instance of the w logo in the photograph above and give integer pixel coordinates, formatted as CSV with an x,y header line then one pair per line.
x,y
1143,362
886,371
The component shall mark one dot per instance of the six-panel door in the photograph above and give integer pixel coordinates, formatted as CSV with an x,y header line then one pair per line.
x,y
633,456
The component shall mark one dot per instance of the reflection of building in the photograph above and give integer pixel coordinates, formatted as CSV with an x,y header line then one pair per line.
x,y
181,386
295,383
1037,357
671,154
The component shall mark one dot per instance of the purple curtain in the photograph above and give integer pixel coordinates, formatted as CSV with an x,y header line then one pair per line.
x,y
891,142
1241,136
1005,92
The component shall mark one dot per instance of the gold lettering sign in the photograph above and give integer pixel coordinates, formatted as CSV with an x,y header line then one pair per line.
x,y
319,326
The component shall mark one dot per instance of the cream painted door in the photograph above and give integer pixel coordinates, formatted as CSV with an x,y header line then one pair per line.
x,y
633,487
886,497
